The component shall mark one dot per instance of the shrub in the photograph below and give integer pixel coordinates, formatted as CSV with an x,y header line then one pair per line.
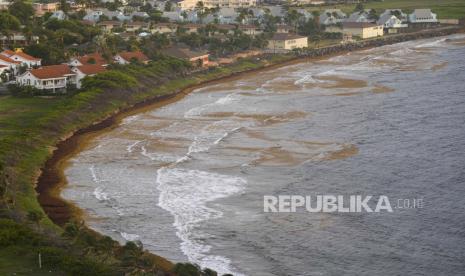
x,y
109,79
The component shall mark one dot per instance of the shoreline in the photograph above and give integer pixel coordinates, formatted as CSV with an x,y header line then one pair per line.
x,y
52,179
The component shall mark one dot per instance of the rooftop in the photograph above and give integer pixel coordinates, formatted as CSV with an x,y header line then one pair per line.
x,y
51,71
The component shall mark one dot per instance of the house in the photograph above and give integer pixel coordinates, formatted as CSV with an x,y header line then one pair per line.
x,y
138,15
164,28
23,58
397,12
282,28
286,41
305,14
277,11
42,8
362,16
389,21
17,40
229,3
86,70
58,15
250,30
4,73
93,15
191,27
108,26
362,29
128,57
196,58
4,4
332,17
89,59
227,15
423,16
52,77
11,65
186,4
137,25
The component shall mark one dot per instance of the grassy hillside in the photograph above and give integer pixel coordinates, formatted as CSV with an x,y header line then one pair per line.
x,y
444,8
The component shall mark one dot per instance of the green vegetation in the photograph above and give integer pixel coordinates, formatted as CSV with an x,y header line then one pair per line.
x,y
448,9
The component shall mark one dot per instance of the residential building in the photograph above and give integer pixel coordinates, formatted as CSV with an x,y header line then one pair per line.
x,y
423,16
86,70
286,41
4,4
23,58
164,28
227,15
58,15
397,12
93,15
128,57
52,77
136,26
332,17
362,29
108,26
389,21
11,65
89,59
195,57
230,3
191,4
358,17
17,40
250,29
42,8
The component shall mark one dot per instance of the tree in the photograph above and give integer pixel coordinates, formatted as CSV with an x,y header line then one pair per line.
x,y
201,11
359,7
8,22
372,15
21,10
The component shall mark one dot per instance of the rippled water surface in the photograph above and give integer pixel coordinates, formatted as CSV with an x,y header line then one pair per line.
x,y
188,179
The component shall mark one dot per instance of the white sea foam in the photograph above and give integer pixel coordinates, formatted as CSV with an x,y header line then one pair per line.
x,y
100,194
129,237
186,194
130,147
431,43
154,156
307,79
130,119
197,111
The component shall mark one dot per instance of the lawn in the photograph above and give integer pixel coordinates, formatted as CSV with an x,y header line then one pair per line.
x,y
444,8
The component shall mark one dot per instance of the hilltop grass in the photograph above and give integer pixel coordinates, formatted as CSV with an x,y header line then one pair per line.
x,y
446,9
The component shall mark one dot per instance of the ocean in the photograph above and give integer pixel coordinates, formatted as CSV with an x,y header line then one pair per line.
x,y
188,179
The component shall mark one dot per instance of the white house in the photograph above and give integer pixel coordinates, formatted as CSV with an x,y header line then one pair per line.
x,y
23,58
86,70
12,65
59,15
93,15
397,12
52,77
360,17
332,17
423,16
389,21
